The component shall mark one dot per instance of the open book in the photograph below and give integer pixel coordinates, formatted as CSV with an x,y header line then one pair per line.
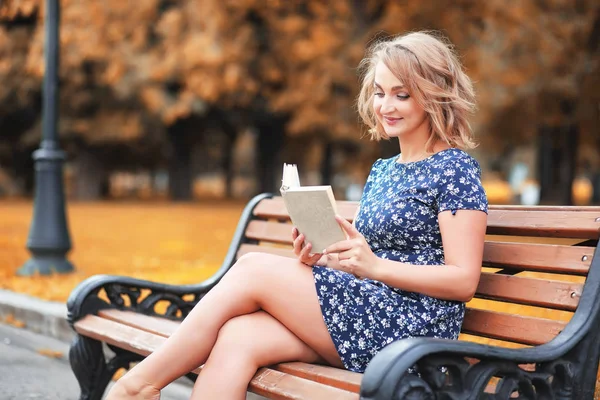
x,y
312,210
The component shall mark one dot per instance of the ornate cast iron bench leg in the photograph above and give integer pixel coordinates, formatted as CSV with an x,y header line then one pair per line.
x,y
92,370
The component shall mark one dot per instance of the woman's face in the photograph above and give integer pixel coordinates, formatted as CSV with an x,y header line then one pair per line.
x,y
395,109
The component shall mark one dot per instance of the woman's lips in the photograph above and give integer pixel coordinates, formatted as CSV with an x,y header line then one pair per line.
x,y
391,120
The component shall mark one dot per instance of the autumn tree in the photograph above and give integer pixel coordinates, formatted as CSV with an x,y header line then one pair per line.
x,y
144,83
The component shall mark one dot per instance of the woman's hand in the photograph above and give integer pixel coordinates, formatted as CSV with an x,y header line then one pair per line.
x,y
303,252
354,254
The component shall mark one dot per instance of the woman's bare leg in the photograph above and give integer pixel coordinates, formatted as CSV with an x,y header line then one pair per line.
x,y
244,344
281,286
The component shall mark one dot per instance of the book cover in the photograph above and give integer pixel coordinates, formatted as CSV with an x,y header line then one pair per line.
x,y
312,210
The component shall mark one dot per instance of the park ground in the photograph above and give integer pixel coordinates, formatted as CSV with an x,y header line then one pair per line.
x,y
165,242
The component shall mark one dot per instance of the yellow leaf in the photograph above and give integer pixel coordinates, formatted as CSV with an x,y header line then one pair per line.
x,y
50,353
11,320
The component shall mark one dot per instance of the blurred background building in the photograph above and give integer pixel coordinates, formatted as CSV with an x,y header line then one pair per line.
x,y
194,99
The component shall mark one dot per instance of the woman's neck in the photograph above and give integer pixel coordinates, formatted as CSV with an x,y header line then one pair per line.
x,y
413,146
415,149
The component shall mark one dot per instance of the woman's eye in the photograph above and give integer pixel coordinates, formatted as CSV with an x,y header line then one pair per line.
x,y
403,96
378,94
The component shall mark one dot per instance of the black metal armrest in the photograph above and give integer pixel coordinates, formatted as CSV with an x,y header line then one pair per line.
x,y
443,367
450,369
135,295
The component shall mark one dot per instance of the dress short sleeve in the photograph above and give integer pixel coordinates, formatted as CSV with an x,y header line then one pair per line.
x,y
460,187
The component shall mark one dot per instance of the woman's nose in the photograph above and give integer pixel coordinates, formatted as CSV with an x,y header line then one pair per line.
x,y
387,105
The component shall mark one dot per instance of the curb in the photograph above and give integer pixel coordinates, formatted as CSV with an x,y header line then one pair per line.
x,y
46,317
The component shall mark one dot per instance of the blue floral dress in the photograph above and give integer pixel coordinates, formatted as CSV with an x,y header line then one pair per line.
x,y
398,217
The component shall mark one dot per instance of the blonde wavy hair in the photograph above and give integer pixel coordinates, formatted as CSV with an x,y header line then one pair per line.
x,y
425,62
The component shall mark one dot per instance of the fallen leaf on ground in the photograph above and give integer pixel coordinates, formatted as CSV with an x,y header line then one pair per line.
x,y
50,353
11,320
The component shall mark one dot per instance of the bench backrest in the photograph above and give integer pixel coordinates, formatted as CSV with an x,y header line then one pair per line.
x,y
535,262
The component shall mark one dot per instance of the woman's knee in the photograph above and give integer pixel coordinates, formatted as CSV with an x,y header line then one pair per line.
x,y
250,262
268,278
255,266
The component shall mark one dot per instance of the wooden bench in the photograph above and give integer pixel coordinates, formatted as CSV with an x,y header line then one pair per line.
x,y
536,318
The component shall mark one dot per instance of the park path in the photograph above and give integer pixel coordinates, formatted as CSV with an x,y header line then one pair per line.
x,y
27,374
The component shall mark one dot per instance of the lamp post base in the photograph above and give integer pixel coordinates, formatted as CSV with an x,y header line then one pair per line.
x,y
45,266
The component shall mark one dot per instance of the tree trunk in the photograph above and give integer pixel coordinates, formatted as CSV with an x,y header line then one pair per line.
x,y
91,177
545,162
180,168
327,163
227,160
557,159
570,135
271,138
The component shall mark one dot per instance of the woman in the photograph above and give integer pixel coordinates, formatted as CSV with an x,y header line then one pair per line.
x,y
411,260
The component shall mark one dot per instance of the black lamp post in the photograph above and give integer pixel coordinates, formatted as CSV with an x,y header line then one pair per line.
x,y
49,239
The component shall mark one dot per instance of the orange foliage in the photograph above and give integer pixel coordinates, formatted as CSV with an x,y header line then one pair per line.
x,y
297,56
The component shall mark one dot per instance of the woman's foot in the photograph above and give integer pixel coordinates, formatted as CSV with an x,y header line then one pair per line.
x,y
130,388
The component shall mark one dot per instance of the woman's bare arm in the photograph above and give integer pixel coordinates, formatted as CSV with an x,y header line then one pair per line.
x,y
463,236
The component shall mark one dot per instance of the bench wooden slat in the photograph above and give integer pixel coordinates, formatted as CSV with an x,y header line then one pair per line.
x,y
276,384
509,327
576,224
516,207
159,326
570,260
122,336
270,231
274,208
579,224
553,294
527,256
342,379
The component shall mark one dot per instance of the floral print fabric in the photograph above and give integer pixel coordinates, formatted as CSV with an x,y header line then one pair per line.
x,y
398,217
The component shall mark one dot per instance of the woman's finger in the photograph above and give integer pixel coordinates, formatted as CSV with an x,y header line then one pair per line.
x,y
344,255
350,230
298,244
304,254
313,260
341,246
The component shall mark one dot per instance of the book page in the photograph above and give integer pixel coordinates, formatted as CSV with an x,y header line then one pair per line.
x,y
289,177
